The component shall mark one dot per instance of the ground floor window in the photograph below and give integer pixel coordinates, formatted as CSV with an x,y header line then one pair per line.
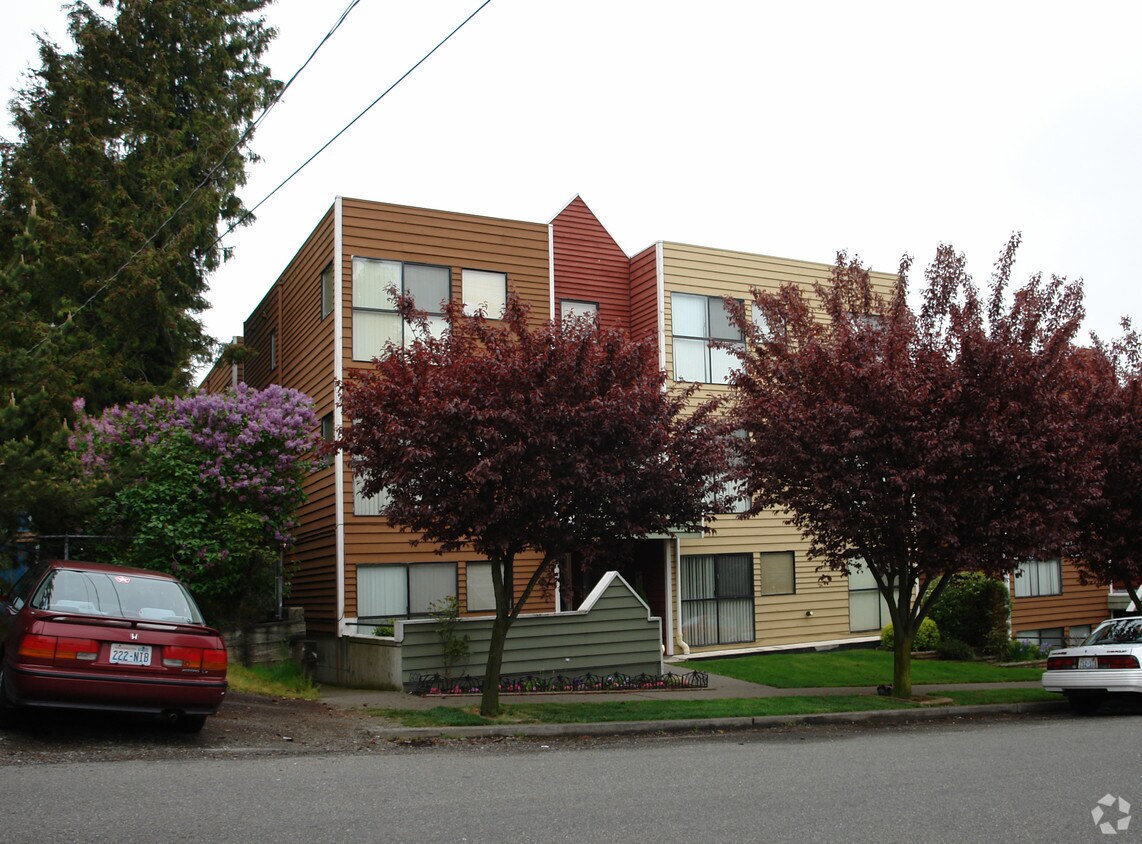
x,y
1046,638
778,573
867,608
717,599
403,590
481,593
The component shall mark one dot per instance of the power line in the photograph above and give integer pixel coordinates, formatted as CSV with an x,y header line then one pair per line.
x,y
208,177
348,125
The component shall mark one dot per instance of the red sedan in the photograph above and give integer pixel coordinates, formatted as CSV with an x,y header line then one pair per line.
x,y
90,636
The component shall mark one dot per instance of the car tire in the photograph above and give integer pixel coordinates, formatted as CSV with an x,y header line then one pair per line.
x,y
189,723
1086,703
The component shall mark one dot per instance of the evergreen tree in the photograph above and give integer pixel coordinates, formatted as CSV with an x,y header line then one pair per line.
x,y
130,151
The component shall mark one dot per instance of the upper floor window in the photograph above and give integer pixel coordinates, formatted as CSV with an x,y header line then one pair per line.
x,y
375,318
273,350
1039,577
327,291
778,573
573,308
697,322
484,290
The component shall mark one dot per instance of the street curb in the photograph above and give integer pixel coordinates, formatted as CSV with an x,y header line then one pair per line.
x,y
695,725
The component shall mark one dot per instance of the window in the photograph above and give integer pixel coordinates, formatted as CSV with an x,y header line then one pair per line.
x,y
697,322
403,590
327,432
717,599
778,576
867,608
273,350
1046,639
327,291
367,505
573,308
1039,577
375,318
481,595
483,290
737,490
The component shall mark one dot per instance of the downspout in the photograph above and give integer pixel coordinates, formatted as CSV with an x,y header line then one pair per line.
x,y
551,269
339,421
682,646
669,620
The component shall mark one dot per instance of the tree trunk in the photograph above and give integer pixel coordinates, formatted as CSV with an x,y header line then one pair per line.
x,y
902,663
490,700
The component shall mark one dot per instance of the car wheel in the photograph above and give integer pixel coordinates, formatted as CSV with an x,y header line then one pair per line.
x,y
189,723
1085,704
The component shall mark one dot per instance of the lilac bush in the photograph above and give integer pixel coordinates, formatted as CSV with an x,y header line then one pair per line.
x,y
205,486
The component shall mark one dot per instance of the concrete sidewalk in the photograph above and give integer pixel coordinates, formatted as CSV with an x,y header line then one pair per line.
x,y
719,688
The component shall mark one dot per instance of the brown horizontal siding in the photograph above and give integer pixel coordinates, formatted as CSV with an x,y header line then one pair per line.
x,y
460,241
1078,604
589,265
305,339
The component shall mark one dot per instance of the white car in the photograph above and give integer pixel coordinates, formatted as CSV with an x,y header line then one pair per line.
x,y
1107,662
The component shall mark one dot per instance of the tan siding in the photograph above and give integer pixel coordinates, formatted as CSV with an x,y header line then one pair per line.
x,y
590,266
815,612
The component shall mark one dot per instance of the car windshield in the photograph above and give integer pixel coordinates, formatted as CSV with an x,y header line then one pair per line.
x,y
119,595
1126,631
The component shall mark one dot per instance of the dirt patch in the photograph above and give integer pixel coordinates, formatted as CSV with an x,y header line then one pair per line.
x,y
246,725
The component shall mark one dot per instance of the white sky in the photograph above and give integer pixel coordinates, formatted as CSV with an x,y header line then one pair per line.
x,y
791,129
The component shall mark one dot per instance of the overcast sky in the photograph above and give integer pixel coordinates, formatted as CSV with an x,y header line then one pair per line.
x,y
789,129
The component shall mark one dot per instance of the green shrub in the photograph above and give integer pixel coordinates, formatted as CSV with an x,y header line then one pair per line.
x,y
954,649
1017,651
927,637
974,609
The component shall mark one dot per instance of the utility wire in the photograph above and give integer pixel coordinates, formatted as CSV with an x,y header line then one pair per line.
x,y
208,177
349,125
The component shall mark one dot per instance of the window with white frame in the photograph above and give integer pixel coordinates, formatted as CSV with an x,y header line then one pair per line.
x,y
327,291
1035,578
717,599
867,608
574,308
778,576
697,322
403,590
375,318
367,505
478,583
485,291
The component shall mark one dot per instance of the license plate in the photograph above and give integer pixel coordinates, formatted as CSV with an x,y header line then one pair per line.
x,y
1088,662
130,654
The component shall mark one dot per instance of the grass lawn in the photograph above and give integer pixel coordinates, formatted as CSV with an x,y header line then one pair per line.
x,y
284,679
834,668
863,667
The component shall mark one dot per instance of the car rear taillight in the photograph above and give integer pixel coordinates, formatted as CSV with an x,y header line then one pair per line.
x,y
1118,661
1061,663
56,649
38,649
214,660
195,659
81,650
188,659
